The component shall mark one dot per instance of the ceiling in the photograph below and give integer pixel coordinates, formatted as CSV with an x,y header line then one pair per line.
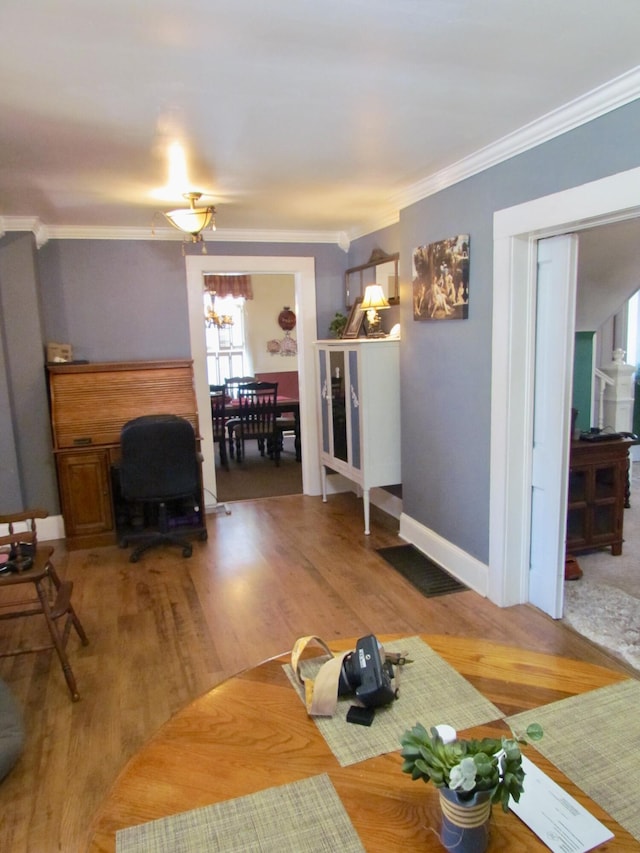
x,y
296,115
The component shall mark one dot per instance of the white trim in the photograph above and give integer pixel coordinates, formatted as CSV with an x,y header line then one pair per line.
x,y
107,232
303,270
458,563
515,232
51,528
611,95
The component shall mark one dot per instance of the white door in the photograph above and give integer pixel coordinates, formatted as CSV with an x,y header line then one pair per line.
x,y
555,329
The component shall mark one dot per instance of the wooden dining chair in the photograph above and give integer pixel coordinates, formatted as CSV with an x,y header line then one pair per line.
x,y
257,419
218,397
25,562
232,385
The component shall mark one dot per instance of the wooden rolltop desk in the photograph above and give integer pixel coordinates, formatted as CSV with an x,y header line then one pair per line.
x,y
89,405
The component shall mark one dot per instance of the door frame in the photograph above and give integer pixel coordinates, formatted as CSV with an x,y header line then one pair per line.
x,y
516,232
303,271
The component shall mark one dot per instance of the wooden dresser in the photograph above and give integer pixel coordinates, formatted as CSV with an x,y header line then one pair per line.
x,y
598,494
89,405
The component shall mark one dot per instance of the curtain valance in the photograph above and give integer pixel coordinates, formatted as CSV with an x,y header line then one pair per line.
x,y
229,285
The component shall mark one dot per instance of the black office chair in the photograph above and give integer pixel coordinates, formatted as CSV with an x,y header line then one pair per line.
x,y
160,470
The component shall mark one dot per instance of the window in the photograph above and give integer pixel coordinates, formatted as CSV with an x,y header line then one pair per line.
x,y
224,342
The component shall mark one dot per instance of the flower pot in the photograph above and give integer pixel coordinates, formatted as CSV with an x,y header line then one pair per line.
x,y
465,822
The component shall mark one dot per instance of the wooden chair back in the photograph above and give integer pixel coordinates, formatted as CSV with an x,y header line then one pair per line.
x,y
20,537
218,398
257,418
233,384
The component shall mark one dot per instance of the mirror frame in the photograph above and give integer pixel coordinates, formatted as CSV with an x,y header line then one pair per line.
x,y
354,278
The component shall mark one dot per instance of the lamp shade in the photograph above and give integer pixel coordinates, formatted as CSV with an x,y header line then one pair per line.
x,y
191,220
374,298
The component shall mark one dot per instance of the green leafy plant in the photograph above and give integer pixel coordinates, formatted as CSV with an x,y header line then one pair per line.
x,y
337,325
467,766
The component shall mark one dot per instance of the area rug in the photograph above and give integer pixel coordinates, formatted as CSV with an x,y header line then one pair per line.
x,y
302,817
430,690
604,605
427,577
257,476
593,738
606,615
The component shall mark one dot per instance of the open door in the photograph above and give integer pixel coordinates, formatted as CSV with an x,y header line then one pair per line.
x,y
555,327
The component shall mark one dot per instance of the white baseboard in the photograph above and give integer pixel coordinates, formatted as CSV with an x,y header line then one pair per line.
x,y
454,560
378,496
50,528
391,504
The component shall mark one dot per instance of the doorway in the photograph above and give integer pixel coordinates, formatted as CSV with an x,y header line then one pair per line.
x,y
516,232
303,271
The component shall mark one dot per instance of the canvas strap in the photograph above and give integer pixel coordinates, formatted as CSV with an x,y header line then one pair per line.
x,y
321,694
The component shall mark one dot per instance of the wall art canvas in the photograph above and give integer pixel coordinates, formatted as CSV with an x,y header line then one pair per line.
x,y
441,280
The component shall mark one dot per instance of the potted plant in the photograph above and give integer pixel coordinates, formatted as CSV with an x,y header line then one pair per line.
x,y
471,775
337,325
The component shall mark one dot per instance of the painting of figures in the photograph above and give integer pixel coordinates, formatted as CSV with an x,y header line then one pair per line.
x,y
441,280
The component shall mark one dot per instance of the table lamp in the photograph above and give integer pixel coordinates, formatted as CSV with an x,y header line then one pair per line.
x,y
374,300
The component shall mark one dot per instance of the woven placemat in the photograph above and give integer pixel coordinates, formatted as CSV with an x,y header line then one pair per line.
x,y
303,817
594,738
431,692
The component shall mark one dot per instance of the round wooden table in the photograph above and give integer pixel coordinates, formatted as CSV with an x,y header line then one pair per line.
x,y
252,732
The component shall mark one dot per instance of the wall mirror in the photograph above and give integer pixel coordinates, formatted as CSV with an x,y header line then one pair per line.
x,y
380,269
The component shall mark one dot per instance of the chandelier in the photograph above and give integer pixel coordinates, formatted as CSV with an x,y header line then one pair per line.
x,y
193,220
220,321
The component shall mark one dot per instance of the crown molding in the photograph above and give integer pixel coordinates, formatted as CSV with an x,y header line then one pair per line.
x,y
616,93
107,232
611,95
25,223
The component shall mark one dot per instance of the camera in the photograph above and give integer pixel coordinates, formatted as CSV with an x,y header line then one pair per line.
x,y
368,674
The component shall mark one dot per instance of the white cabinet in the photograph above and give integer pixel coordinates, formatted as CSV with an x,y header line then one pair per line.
x,y
359,411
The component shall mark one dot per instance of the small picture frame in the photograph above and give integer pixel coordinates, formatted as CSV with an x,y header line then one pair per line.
x,y
354,323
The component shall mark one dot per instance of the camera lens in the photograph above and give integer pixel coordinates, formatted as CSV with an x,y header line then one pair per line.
x,y
349,676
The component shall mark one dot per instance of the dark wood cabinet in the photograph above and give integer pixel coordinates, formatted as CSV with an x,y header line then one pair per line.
x,y
90,403
598,483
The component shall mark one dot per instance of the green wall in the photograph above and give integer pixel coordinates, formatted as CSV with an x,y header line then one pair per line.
x,y
582,378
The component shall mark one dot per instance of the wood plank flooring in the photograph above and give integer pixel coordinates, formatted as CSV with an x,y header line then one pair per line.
x,y
166,629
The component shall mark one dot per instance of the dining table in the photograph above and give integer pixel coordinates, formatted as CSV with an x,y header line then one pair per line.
x,y
248,745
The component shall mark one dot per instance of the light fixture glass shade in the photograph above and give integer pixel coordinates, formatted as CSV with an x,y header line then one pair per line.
x,y
374,298
192,220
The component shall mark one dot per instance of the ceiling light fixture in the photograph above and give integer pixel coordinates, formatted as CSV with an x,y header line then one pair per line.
x,y
193,220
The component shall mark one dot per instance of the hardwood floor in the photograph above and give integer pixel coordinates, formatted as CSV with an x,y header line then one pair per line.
x,y
166,629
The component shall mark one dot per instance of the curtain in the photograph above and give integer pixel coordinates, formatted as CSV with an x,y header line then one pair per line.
x,y
229,285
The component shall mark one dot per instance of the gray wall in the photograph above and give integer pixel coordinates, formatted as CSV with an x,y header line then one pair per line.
x,y
446,366
119,300
28,477
113,301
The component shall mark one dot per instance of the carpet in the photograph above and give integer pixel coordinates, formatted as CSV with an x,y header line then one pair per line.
x,y
427,577
604,605
257,476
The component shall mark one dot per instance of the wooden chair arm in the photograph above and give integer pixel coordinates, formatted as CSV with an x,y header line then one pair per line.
x,y
26,515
